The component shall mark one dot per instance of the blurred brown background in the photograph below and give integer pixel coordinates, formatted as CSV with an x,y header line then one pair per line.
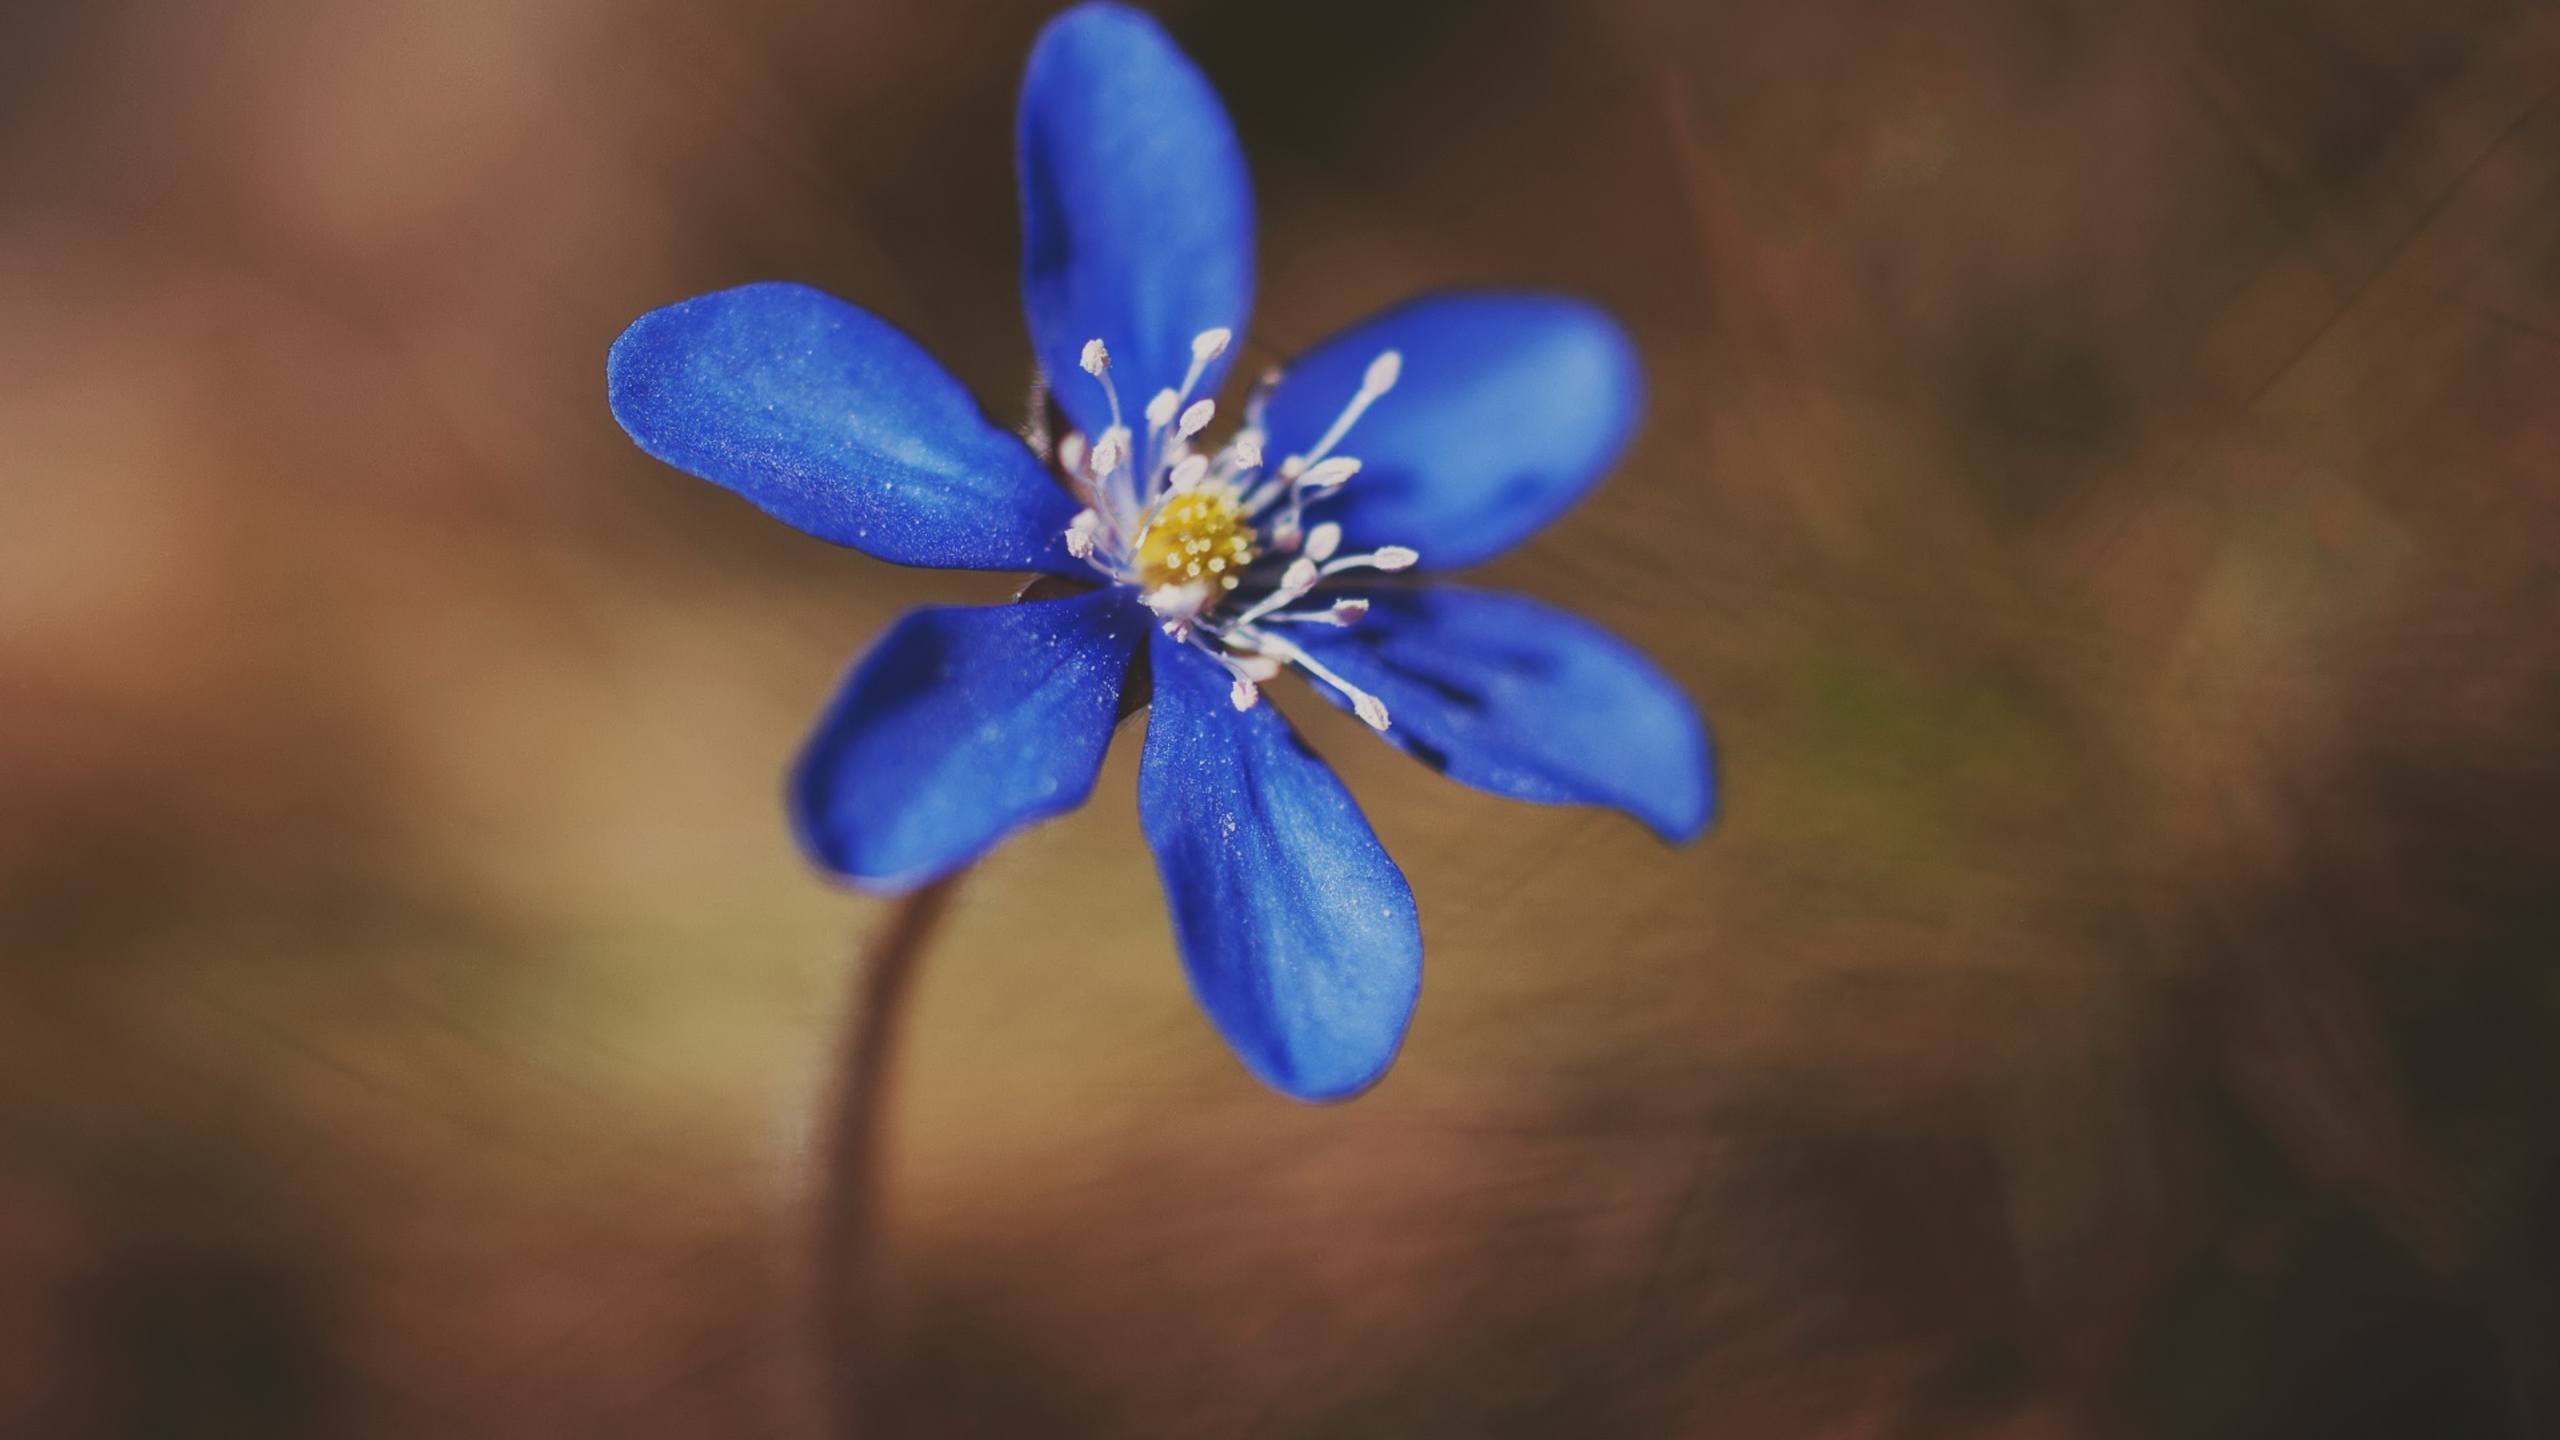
x,y
2099,482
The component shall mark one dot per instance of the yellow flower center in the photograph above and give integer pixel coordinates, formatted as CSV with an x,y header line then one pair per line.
x,y
1198,538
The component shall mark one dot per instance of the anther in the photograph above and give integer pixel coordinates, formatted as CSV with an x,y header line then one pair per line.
x,y
1383,373
1330,473
1369,707
1096,362
1196,419
1110,451
1208,345
1323,540
1080,534
1188,474
1160,409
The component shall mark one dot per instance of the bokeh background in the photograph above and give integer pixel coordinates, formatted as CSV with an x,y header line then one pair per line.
x,y
2100,483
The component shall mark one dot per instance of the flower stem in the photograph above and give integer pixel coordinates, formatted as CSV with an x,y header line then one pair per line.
x,y
847,1259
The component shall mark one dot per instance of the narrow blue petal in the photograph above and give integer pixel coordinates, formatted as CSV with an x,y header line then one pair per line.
x,y
1137,212
962,725
1526,701
1298,931
1509,407
831,420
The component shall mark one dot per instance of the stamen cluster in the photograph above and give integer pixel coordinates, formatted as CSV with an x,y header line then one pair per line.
x,y
1218,545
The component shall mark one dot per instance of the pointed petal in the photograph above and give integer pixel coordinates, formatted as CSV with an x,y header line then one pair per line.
x,y
1298,931
961,726
1507,409
832,421
1527,701
1137,212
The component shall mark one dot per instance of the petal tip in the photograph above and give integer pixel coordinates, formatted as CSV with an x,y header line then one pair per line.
x,y
1338,1072
1690,806
1098,16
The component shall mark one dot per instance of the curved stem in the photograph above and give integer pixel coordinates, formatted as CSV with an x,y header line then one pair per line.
x,y
847,1258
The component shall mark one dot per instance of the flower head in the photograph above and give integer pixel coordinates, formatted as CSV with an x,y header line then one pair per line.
x,y
1434,435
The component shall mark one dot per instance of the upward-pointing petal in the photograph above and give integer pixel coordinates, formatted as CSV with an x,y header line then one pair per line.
x,y
832,421
1137,213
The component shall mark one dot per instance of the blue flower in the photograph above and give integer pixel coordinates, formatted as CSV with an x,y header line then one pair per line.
x,y
1437,434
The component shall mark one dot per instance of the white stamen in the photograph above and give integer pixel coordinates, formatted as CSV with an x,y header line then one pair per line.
x,y
1382,376
1385,557
1081,532
1126,479
1242,694
1343,612
1196,419
1329,474
1297,580
1178,604
1096,361
1110,452
1369,707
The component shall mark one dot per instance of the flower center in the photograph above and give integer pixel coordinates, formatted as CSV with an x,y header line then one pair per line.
x,y
1216,546
1200,537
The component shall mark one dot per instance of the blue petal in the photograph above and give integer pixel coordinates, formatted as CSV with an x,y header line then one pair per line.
x,y
1522,700
962,725
1298,931
831,420
1509,407
1137,213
